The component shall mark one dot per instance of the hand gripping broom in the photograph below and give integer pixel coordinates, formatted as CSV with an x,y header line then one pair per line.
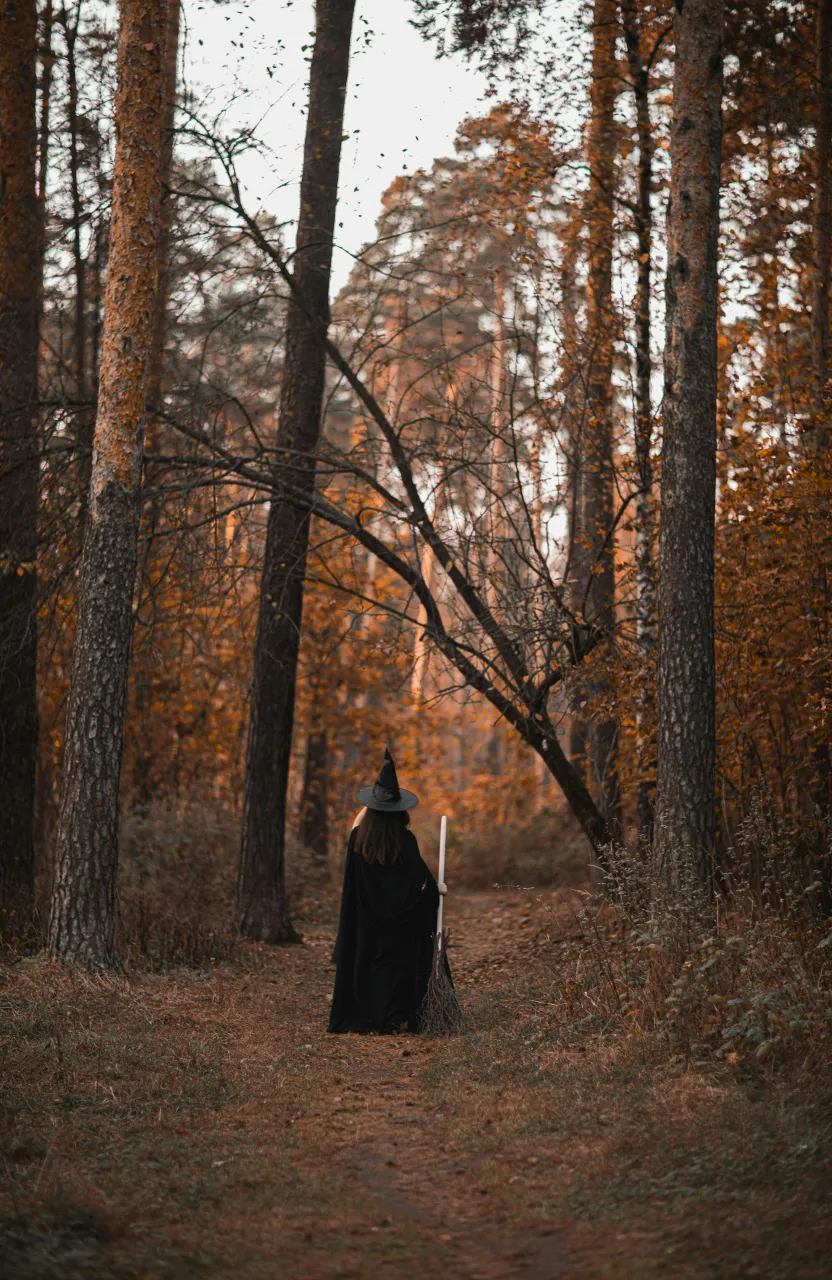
x,y
441,1014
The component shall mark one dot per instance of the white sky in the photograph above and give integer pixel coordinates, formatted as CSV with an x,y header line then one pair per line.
x,y
403,104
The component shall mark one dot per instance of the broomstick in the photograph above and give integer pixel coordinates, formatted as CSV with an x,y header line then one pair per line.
x,y
441,1014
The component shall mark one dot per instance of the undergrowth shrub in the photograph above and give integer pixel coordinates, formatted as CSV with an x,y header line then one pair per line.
x,y
546,850
740,979
176,886
177,869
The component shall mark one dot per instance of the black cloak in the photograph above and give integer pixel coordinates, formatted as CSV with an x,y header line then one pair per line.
x,y
385,942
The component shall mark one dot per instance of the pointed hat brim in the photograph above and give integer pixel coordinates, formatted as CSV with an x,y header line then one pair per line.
x,y
407,800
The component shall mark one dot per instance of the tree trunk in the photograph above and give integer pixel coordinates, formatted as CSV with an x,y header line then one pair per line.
x,y
47,62
82,922
496,576
421,646
18,461
645,522
819,435
261,896
769,266
143,670
314,825
497,463
592,821
685,821
822,230
160,312
574,431
84,415
598,471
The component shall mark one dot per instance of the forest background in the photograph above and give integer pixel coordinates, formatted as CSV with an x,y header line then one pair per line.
x,y
507,322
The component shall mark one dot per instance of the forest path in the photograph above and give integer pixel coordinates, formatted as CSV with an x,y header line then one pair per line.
x,y
389,1111
188,1124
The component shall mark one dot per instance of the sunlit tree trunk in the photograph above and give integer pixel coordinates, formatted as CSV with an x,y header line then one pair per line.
x,y
686,736
82,921
143,668
18,460
645,522
261,896
421,646
598,471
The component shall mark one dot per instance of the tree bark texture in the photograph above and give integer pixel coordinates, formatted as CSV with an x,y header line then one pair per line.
x,y
421,645
47,64
498,377
18,460
497,525
645,521
314,825
686,687
261,896
82,921
598,479
819,433
578,568
160,311
593,822
143,671
84,413
822,228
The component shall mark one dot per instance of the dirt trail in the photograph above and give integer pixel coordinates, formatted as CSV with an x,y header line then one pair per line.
x,y
394,1144
187,1125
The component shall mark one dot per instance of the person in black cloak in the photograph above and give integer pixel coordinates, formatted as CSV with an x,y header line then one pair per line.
x,y
388,916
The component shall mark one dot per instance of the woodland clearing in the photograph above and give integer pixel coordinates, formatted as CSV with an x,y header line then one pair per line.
x,y
201,1122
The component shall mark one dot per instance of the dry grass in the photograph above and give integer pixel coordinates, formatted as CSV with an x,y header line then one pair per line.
x,y
745,982
178,866
546,850
192,1122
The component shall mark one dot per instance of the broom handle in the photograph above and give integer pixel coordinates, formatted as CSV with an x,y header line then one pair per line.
x,y
443,829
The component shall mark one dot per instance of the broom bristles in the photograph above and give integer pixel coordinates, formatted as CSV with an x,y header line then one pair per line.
x,y
441,1014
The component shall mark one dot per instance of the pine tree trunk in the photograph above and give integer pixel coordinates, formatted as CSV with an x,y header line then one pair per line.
x,y
497,462
82,921
577,570
160,313
685,823
18,462
143,669
496,576
768,267
261,896
47,61
421,646
84,414
598,471
819,436
822,229
645,522
314,826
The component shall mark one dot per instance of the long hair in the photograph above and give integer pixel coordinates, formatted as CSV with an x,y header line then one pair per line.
x,y
380,836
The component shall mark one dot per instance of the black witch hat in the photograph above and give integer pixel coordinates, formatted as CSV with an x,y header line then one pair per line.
x,y
385,794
